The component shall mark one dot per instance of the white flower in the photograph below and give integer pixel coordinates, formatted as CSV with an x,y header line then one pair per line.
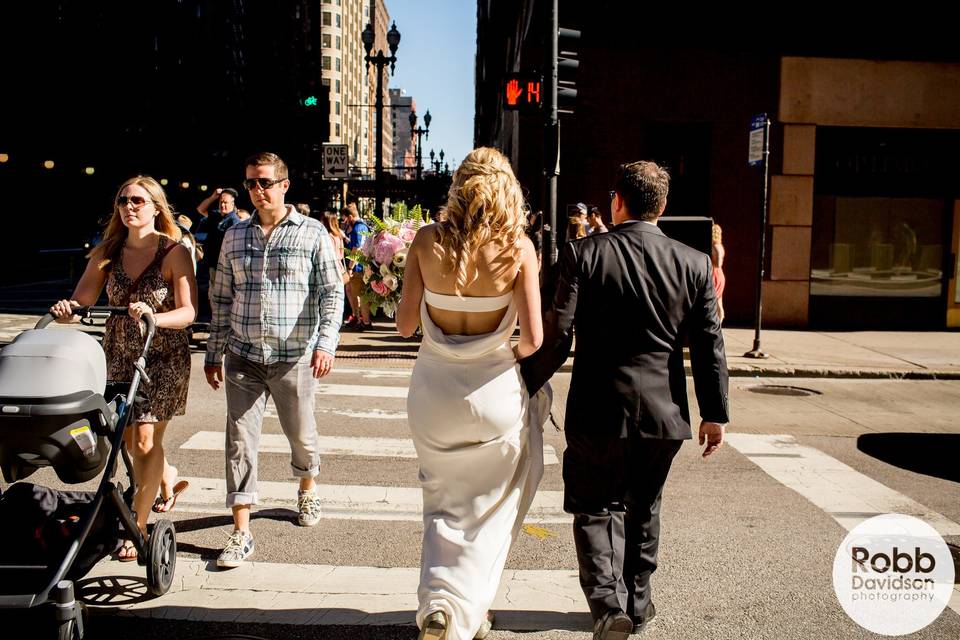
x,y
384,270
391,282
400,258
367,271
366,277
389,308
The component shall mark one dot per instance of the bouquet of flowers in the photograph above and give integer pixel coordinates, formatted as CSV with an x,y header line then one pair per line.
x,y
383,256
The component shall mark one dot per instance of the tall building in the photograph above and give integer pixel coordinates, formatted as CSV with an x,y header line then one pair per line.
x,y
352,85
864,205
404,146
243,68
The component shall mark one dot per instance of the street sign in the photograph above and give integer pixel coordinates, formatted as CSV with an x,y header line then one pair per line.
x,y
523,92
757,125
335,161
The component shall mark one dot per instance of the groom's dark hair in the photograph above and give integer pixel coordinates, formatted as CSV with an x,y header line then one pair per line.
x,y
644,187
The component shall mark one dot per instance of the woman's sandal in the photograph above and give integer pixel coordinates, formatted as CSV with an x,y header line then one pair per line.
x,y
164,505
127,552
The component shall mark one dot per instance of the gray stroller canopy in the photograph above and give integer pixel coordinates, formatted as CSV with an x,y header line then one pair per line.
x,y
48,363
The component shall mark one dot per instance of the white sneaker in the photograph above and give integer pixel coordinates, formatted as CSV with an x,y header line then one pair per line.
x,y
239,547
308,506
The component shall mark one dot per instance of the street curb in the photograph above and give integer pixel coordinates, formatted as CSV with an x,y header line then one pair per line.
x,y
844,374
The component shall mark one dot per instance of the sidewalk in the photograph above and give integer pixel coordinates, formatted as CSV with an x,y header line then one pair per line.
x,y
806,354
809,354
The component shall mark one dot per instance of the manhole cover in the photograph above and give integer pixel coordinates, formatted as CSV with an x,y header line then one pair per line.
x,y
782,390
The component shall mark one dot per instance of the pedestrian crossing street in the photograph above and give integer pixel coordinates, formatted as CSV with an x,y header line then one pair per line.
x,y
529,600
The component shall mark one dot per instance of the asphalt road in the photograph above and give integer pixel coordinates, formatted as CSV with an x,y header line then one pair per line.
x,y
743,555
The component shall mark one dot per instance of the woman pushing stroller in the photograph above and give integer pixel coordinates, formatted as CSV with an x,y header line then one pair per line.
x,y
144,267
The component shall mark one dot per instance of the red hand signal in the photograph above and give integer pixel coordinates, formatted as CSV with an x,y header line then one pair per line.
x,y
513,92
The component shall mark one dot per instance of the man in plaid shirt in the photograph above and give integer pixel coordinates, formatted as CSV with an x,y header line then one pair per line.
x,y
277,307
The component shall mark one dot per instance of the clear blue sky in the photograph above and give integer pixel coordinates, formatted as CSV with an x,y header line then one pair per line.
x,y
435,65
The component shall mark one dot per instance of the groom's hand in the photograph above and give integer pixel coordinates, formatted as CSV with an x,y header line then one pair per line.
x,y
711,433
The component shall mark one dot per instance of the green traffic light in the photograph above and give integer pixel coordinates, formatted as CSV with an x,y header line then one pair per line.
x,y
310,101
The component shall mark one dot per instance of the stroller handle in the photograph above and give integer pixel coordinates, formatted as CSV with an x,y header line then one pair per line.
x,y
106,312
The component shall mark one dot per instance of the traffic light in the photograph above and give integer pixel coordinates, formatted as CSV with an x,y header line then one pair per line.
x,y
523,92
567,65
313,107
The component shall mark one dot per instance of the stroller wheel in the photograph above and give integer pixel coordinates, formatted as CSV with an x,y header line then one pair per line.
x,y
68,630
161,557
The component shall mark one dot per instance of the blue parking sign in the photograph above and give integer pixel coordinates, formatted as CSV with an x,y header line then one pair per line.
x,y
757,126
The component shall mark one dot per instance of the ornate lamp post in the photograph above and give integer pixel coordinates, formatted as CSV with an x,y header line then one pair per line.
x,y
419,131
380,60
436,164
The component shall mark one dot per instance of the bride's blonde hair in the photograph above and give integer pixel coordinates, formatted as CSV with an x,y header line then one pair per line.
x,y
484,205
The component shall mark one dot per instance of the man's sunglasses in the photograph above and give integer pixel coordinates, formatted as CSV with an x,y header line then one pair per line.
x,y
264,183
137,201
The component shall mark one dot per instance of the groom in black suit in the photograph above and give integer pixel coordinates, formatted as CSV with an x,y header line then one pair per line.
x,y
635,297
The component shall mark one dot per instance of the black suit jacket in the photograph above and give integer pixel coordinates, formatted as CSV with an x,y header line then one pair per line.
x,y
634,297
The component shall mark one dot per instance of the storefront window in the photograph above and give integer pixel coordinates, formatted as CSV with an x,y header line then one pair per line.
x,y
882,227
890,247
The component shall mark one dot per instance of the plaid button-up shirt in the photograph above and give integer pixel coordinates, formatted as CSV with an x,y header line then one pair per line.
x,y
276,299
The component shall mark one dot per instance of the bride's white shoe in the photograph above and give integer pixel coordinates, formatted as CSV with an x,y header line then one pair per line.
x,y
434,627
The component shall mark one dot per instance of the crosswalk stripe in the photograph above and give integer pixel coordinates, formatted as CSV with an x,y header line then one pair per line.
x,y
350,502
370,414
374,373
845,494
361,390
300,594
330,446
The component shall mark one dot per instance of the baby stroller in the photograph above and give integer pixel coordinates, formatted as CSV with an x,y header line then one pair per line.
x,y
58,409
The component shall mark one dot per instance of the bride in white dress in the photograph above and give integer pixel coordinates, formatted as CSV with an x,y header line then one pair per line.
x,y
477,433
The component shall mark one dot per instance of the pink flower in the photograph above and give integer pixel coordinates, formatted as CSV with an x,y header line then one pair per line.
x,y
407,234
367,246
385,247
379,288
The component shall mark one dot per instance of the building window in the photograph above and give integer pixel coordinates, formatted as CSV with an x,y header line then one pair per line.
x,y
338,129
366,11
338,20
338,64
325,63
338,107
327,19
338,86
327,41
326,82
338,42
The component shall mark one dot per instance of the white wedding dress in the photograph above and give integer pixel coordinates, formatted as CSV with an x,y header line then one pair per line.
x,y
479,442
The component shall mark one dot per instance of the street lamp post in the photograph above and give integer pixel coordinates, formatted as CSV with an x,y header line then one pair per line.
x,y
419,131
436,164
380,61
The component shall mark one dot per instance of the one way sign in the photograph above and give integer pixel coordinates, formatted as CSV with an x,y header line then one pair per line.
x,y
335,160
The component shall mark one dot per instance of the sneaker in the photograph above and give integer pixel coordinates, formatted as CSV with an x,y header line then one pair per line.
x,y
308,504
239,547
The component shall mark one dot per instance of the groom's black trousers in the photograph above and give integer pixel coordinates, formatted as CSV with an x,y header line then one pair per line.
x,y
613,488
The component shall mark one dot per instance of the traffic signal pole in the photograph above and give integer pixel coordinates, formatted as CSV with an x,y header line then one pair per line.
x,y
551,156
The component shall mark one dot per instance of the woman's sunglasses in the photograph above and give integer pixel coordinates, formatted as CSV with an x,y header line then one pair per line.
x,y
137,201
